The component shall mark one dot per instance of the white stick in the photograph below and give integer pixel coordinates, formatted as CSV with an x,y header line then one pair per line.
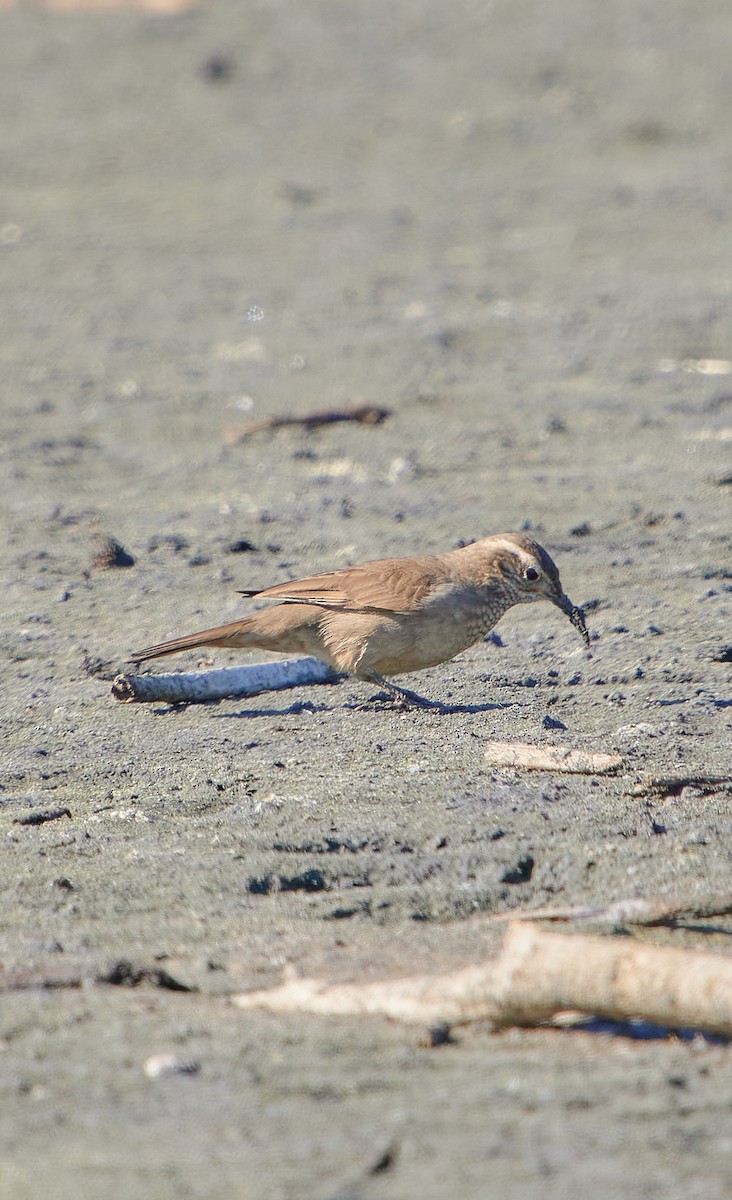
x,y
550,758
198,687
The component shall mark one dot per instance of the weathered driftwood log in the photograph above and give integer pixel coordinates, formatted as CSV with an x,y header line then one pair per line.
x,y
198,687
536,976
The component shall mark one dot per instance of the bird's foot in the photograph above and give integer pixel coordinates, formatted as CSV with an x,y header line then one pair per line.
x,y
402,697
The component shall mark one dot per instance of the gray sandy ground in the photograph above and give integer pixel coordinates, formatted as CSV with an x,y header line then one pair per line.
x,y
510,224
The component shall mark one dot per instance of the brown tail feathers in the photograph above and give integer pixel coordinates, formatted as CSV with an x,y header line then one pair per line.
x,y
230,635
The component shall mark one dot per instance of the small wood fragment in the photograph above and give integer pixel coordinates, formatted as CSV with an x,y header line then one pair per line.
x,y
527,757
362,414
40,818
159,1065
25,981
635,910
673,785
535,976
200,687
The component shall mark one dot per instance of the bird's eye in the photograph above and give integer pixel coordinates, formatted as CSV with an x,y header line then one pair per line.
x,y
532,574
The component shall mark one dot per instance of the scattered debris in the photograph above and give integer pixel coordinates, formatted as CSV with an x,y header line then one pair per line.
x,y
438,1034
158,1065
521,873
311,880
673,785
40,818
110,553
362,414
98,668
123,974
385,1160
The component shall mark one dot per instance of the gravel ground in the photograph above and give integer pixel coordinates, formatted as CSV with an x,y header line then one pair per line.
x,y
506,223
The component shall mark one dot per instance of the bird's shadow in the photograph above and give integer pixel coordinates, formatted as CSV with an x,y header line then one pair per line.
x,y
386,704
377,704
292,710
182,706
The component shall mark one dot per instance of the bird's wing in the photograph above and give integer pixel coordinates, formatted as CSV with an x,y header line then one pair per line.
x,y
388,585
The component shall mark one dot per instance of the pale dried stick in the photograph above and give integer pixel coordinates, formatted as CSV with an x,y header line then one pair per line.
x,y
535,976
524,755
198,687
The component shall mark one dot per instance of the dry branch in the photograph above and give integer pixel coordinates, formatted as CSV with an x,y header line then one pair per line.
x,y
362,414
673,785
633,911
535,976
40,818
198,687
29,980
525,756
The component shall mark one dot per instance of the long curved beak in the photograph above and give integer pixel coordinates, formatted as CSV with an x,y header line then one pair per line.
x,y
576,616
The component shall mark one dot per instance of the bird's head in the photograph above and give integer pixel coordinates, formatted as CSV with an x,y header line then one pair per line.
x,y
531,574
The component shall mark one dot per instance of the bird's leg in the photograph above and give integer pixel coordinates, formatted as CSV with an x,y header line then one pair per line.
x,y
401,696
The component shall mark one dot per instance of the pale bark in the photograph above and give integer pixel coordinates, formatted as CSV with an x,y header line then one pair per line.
x,y
198,687
527,757
536,976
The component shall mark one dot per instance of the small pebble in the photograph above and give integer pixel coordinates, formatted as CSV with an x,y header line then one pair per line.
x,y
438,1034
109,553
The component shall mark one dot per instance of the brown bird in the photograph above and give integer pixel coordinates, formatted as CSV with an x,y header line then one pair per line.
x,y
394,615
